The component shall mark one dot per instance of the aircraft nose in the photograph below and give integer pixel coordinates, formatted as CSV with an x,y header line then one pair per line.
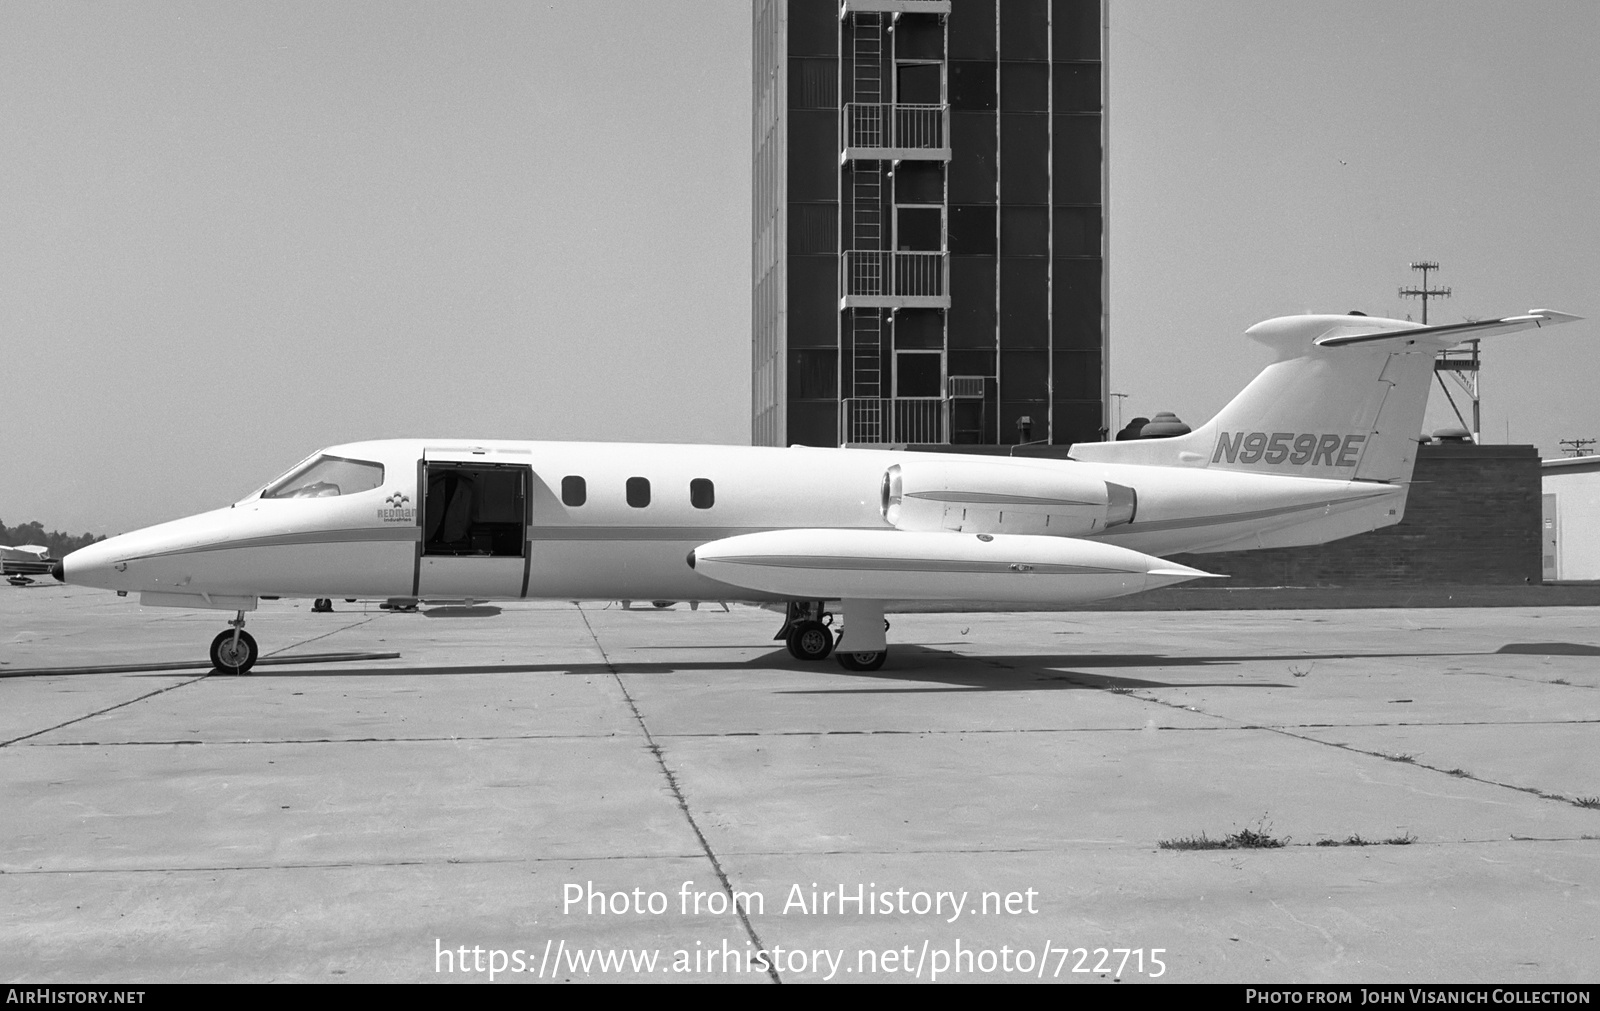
x,y
90,566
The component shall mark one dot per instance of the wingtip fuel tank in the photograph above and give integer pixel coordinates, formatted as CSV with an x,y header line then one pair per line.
x,y
904,565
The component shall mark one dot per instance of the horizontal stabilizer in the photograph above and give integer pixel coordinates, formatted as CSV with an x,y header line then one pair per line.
x,y
1445,334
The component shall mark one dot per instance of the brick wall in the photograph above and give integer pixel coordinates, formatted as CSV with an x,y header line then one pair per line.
x,y
1472,517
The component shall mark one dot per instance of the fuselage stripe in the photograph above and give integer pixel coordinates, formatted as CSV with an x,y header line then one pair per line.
x,y
853,563
351,535
1145,526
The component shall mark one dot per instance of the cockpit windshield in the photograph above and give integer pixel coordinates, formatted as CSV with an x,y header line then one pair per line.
x,y
325,477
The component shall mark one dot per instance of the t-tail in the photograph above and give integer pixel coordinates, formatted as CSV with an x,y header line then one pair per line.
x,y
1344,400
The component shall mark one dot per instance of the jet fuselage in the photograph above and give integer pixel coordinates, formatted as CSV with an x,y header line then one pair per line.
x,y
613,521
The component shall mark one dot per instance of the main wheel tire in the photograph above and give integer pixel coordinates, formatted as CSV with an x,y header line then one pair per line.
x,y
810,640
863,661
230,658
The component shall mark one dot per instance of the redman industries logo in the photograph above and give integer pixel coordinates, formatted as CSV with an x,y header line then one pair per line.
x,y
397,509
1288,447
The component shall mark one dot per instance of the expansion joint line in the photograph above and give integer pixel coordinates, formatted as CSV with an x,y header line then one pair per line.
x,y
341,628
1307,738
107,709
168,688
677,794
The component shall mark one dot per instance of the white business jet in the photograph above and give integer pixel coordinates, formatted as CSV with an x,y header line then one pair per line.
x,y
24,560
1318,447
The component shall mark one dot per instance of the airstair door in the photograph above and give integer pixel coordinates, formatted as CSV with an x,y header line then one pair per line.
x,y
475,517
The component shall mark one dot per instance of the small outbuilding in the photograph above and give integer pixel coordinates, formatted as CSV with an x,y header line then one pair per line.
x,y
1571,519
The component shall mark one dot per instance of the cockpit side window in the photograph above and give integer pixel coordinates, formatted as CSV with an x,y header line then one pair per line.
x,y
325,477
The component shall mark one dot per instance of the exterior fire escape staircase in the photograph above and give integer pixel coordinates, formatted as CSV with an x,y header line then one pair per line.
x,y
863,412
876,132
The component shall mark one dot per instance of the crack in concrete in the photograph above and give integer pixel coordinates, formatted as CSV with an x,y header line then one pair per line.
x,y
683,803
922,732
1558,682
1456,773
448,738
1327,937
314,865
792,854
158,691
1124,730
107,709
343,628
1452,773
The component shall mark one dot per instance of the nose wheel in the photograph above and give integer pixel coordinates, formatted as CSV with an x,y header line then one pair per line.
x,y
234,651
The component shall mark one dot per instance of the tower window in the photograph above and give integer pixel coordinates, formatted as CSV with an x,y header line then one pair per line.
x,y
918,373
920,228
638,492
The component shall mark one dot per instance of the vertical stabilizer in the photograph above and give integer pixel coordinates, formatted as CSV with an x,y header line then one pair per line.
x,y
1345,400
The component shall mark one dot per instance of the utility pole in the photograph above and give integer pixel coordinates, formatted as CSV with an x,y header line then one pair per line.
x,y
1425,292
1577,447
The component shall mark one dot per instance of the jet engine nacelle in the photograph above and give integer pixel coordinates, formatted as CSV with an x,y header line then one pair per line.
x,y
984,497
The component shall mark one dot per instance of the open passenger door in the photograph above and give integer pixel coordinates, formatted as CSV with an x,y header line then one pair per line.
x,y
476,508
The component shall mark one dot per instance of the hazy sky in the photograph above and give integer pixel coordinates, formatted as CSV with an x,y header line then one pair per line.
x,y
232,233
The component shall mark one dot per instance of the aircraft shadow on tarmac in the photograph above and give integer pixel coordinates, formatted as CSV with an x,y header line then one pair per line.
x,y
1036,672
936,670
1550,648
918,663
922,668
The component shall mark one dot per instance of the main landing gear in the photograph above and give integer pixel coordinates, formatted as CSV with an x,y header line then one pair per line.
x,y
805,630
234,652
810,640
807,634
863,661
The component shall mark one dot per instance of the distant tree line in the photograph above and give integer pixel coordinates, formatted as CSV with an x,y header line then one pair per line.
x,y
60,544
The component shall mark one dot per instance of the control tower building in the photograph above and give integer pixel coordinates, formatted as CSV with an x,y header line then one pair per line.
x,y
929,229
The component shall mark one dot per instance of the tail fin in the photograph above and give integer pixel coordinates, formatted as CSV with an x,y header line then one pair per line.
x,y
1344,400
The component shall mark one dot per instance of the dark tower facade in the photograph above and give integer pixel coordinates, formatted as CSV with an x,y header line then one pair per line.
x,y
929,237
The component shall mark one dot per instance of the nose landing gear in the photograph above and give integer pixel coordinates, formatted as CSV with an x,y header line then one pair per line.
x,y
234,652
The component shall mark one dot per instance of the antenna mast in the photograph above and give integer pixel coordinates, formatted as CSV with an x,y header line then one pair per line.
x,y
1425,292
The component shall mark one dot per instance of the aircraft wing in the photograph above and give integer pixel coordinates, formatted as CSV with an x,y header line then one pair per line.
x,y
1451,333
